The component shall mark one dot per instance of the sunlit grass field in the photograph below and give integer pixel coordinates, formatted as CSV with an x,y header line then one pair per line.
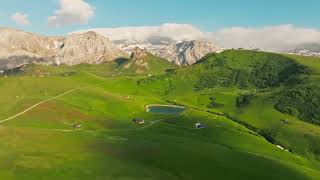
x,y
42,143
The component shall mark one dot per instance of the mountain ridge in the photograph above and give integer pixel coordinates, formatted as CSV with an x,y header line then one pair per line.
x,y
309,49
20,47
185,52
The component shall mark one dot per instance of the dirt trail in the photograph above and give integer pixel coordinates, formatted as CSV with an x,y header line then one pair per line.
x,y
46,100
39,103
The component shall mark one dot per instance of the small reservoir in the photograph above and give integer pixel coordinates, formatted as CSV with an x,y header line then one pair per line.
x,y
164,109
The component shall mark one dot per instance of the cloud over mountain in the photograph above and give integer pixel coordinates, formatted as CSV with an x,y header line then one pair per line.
x,y
173,31
271,38
71,12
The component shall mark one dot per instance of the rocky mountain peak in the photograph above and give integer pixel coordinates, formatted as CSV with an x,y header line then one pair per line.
x,y
89,35
138,60
90,47
138,54
189,52
19,47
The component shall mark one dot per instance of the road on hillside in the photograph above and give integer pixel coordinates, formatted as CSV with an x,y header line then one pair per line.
x,y
39,103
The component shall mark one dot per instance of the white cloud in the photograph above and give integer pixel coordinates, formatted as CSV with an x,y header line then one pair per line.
x,y
173,31
21,19
71,12
273,38
270,38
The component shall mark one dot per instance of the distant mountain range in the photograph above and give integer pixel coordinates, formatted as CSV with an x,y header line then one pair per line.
x,y
18,48
180,53
312,49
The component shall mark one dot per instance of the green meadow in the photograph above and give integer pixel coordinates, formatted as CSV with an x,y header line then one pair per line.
x,y
234,94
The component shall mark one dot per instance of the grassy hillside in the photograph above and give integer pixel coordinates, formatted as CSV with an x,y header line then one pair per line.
x,y
244,69
42,144
275,95
302,102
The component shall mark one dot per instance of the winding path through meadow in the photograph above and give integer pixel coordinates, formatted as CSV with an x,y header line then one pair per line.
x,y
39,103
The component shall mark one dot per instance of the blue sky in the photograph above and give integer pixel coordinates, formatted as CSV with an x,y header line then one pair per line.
x,y
208,15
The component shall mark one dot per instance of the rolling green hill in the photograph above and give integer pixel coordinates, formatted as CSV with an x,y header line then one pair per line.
x,y
253,88
234,94
244,69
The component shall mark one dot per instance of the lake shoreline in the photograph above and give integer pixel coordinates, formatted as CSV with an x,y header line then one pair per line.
x,y
149,106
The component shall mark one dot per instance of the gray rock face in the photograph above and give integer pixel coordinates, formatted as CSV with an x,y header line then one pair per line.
x,y
18,48
188,52
90,48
